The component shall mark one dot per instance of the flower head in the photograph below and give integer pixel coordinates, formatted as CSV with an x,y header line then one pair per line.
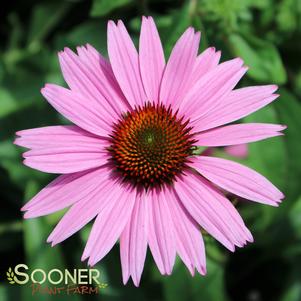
x,y
128,160
151,146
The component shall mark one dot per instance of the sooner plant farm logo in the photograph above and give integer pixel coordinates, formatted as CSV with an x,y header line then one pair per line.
x,y
56,281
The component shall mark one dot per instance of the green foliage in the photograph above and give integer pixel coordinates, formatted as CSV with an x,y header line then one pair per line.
x,y
181,287
289,112
262,58
104,7
265,33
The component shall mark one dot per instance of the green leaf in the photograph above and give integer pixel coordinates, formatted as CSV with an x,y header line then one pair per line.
x,y
180,21
35,234
261,56
92,32
180,286
7,103
226,13
294,216
44,17
38,252
104,7
287,16
289,112
293,293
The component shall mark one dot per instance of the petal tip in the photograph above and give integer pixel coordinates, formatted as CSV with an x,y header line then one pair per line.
x,y
16,141
24,208
84,257
111,24
274,87
120,23
49,239
19,133
136,281
125,278
283,127
202,270
26,215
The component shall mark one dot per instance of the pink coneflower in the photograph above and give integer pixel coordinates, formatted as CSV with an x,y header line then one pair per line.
x,y
129,159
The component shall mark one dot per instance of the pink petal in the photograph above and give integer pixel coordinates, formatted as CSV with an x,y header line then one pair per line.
x,y
65,159
59,136
133,241
87,115
212,211
238,104
161,237
63,192
105,80
178,71
85,210
238,179
211,88
205,62
238,151
151,58
238,134
83,80
62,149
189,240
109,224
125,63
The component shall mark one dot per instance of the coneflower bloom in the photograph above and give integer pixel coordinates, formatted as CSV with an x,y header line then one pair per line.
x,y
129,161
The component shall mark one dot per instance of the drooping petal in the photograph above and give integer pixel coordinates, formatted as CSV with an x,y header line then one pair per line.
x,y
87,115
125,63
205,62
178,71
151,58
62,149
109,224
211,210
238,134
85,210
133,241
63,192
83,79
105,80
161,237
238,179
237,104
211,88
189,240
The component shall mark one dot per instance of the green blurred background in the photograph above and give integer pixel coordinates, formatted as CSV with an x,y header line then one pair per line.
x,y
265,33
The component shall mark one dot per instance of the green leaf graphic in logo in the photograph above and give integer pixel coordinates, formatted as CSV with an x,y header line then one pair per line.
x,y
102,285
10,276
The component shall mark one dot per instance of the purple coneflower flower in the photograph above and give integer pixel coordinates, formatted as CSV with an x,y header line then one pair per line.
x,y
128,160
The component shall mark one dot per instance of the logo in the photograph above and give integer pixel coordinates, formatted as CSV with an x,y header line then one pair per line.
x,y
56,281
10,276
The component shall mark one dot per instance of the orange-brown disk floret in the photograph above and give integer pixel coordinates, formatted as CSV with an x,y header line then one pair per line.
x,y
151,145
